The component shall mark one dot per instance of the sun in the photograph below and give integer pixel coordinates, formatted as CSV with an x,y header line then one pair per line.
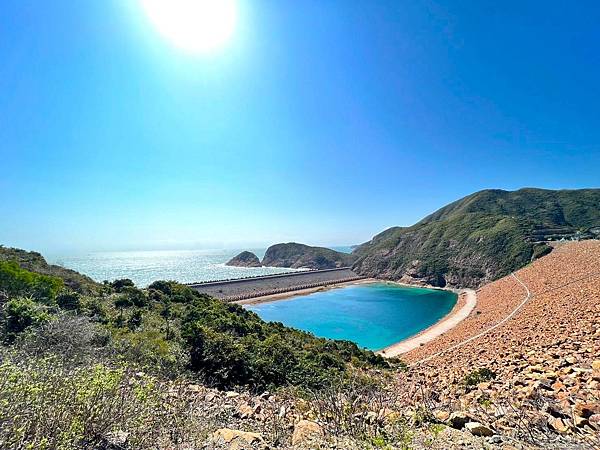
x,y
195,26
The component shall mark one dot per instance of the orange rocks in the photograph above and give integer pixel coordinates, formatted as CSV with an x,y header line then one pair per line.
x,y
546,353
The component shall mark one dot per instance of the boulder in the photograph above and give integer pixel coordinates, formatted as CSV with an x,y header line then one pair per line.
x,y
586,410
479,429
305,431
558,424
116,440
441,415
230,436
245,411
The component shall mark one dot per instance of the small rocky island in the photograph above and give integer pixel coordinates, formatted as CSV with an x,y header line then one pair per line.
x,y
245,259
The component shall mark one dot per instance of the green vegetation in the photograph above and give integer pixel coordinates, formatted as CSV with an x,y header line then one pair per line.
x,y
481,237
15,281
35,262
46,404
170,329
299,255
479,376
101,364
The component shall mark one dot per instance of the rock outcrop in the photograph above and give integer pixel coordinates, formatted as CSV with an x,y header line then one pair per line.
x,y
244,259
298,256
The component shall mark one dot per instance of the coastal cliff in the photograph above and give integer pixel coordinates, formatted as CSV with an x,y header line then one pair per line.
x,y
481,237
297,256
244,259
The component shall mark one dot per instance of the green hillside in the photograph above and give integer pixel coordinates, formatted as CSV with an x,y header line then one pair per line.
x,y
297,256
35,262
480,237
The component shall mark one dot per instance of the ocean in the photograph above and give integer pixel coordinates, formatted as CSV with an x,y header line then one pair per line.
x,y
185,266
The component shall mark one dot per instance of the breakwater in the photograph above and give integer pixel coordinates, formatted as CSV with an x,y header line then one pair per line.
x,y
245,288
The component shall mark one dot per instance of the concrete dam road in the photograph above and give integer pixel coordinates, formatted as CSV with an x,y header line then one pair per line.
x,y
245,288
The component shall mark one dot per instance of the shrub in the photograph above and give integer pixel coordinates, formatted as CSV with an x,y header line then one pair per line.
x,y
19,314
233,346
479,376
69,300
74,339
135,320
15,281
137,296
47,405
119,285
148,350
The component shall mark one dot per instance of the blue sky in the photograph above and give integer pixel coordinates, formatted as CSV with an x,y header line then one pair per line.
x,y
320,122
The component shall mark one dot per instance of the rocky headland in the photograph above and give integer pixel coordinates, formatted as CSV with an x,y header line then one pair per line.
x,y
244,259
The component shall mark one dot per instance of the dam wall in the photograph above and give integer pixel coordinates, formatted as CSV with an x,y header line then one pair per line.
x,y
244,288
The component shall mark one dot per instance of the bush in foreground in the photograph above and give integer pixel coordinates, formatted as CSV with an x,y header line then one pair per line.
x,y
45,404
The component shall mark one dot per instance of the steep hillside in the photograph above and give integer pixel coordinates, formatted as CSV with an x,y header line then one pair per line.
x,y
481,237
298,256
35,262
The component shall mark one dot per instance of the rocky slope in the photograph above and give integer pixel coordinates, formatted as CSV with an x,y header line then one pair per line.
x,y
244,259
538,373
297,256
481,237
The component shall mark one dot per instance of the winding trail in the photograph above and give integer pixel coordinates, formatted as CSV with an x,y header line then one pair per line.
x,y
435,330
478,335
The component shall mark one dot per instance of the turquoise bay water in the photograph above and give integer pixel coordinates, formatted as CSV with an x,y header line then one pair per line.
x,y
372,315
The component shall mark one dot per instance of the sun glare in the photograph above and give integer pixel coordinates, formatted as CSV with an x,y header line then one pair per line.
x,y
196,26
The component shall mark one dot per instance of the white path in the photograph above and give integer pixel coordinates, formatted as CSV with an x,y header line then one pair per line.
x,y
493,327
434,331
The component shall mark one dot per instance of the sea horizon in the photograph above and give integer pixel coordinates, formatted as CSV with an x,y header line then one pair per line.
x,y
185,266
